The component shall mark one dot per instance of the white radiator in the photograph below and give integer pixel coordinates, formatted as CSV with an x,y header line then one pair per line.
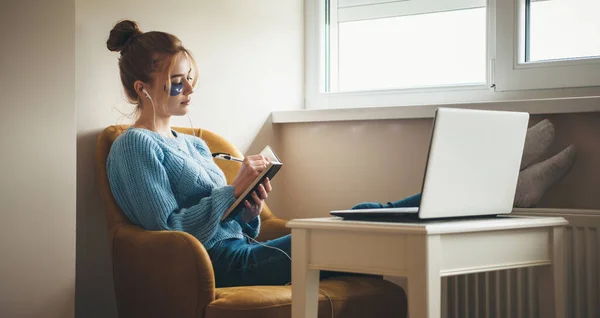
x,y
513,293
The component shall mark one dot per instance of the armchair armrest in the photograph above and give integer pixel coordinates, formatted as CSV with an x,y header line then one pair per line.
x,y
161,273
272,228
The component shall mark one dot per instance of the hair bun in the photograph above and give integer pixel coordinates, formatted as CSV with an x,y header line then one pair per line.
x,y
121,34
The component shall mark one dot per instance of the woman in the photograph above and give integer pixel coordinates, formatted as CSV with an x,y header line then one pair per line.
x,y
163,180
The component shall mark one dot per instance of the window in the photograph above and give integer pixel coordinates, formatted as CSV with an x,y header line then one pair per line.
x,y
401,45
406,51
378,51
560,29
547,44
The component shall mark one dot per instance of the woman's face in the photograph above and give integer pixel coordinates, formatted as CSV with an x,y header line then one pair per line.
x,y
178,97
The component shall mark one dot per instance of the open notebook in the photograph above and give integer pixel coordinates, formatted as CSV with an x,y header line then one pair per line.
x,y
272,169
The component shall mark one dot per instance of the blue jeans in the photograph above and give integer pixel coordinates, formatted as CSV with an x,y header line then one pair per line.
x,y
412,201
242,262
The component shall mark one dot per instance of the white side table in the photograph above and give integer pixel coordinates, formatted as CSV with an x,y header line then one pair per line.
x,y
424,252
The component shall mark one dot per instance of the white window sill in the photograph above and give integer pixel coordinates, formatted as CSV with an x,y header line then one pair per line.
x,y
537,106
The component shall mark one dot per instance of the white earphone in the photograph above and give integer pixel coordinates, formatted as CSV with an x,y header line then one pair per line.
x,y
145,92
154,113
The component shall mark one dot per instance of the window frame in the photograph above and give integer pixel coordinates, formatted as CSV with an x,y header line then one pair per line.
x,y
503,73
513,73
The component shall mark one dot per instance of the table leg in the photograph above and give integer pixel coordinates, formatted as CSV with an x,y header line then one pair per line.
x,y
551,280
305,281
424,281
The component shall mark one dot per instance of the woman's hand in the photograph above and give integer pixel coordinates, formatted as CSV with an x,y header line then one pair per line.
x,y
251,167
252,210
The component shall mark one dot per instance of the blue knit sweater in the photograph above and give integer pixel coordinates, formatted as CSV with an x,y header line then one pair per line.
x,y
173,184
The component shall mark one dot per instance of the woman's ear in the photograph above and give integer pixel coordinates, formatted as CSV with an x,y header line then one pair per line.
x,y
138,86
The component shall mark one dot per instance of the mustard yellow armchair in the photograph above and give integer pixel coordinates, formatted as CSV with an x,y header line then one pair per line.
x,y
169,273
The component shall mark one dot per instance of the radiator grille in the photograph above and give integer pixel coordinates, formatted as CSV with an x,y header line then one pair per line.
x,y
514,293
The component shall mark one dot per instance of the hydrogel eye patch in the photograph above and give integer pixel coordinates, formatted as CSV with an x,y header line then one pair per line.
x,y
176,89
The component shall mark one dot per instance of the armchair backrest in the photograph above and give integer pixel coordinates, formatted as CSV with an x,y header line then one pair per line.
x,y
114,215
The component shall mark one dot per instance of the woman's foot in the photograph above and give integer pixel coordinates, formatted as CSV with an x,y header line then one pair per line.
x,y
535,180
538,139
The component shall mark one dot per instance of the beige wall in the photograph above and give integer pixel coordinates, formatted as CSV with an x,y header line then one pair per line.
x,y
250,55
332,165
37,138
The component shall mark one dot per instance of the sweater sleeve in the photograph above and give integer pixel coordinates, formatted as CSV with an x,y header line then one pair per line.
x,y
141,186
251,228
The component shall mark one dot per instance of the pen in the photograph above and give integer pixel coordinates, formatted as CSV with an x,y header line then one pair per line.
x,y
226,156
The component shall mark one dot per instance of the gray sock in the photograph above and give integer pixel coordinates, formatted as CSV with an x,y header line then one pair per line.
x,y
538,139
535,180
